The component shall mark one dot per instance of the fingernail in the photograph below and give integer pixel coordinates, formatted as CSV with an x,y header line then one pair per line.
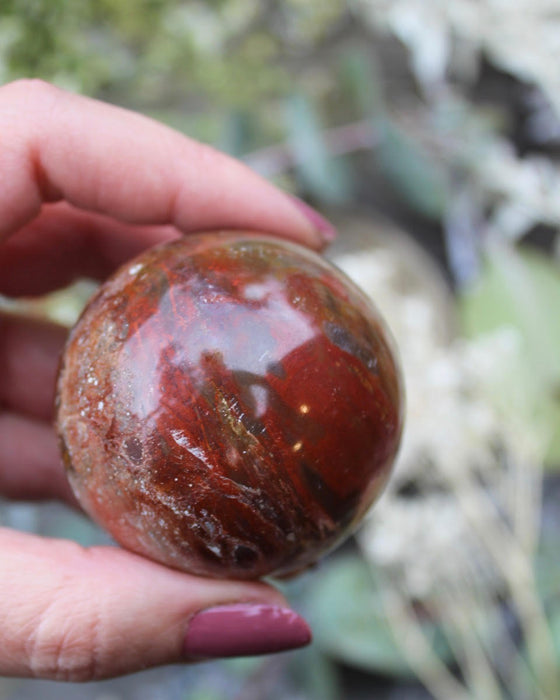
x,y
244,630
324,228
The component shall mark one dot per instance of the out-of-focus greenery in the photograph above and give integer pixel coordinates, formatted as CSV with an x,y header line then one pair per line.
x,y
241,74
195,64
445,115
521,289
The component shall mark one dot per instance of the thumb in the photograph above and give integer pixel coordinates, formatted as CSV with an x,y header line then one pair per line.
x,y
76,614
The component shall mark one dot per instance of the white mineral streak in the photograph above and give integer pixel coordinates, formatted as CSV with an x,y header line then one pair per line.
x,y
255,291
182,439
260,397
135,269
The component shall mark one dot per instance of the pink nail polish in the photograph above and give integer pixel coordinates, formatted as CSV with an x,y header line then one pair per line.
x,y
244,630
325,229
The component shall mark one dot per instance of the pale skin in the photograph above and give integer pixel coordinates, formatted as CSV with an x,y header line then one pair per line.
x,y
83,187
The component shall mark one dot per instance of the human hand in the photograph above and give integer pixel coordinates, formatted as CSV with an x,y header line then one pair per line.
x,y
83,187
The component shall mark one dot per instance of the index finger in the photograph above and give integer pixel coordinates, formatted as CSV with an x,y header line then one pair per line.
x,y
60,146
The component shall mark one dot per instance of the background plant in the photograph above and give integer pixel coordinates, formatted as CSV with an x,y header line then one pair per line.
x,y
443,116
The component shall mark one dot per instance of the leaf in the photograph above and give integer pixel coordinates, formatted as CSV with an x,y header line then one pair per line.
x,y
67,524
411,171
316,675
205,694
244,666
360,76
238,136
325,178
349,622
521,289
546,560
554,624
547,573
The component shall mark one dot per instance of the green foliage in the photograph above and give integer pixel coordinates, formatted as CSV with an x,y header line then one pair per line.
x,y
350,622
237,73
248,74
141,54
521,289
320,174
412,172
361,78
74,526
205,694
316,675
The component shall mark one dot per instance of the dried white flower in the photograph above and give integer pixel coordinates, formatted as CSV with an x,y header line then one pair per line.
x,y
521,36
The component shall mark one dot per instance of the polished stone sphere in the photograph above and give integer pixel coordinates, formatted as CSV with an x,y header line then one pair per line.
x,y
229,404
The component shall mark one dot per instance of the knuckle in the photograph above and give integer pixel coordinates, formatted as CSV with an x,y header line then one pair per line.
x,y
23,100
28,103
31,87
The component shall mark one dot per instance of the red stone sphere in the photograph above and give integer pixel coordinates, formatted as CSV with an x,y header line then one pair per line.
x,y
229,404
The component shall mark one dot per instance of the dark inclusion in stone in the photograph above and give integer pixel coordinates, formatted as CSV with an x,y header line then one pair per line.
x,y
229,404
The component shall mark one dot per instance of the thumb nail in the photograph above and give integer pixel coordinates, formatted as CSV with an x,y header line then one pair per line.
x,y
244,630
324,228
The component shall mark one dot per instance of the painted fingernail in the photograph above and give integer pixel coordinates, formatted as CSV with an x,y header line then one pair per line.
x,y
323,227
244,630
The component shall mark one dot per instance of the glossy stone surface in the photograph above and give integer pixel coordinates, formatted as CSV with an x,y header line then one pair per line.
x,y
229,405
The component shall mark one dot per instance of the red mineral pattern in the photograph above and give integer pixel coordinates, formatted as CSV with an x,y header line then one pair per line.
x,y
229,404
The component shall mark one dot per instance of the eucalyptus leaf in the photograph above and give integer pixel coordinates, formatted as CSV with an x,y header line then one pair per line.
x,y
67,524
325,178
360,77
315,673
244,666
238,135
350,624
205,694
547,563
521,289
547,575
554,624
411,171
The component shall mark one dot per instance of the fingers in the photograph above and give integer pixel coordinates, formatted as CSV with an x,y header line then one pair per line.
x,y
64,243
46,254
104,159
29,356
67,613
30,463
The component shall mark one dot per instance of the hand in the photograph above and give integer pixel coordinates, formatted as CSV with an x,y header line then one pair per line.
x,y
85,186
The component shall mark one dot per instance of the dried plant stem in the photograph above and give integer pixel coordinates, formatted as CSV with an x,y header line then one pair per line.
x,y
480,678
525,489
504,519
490,617
515,565
419,652
460,609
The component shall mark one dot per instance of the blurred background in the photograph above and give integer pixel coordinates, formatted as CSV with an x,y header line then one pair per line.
x,y
429,132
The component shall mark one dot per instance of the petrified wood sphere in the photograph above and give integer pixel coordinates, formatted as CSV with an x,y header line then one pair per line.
x,y
229,405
